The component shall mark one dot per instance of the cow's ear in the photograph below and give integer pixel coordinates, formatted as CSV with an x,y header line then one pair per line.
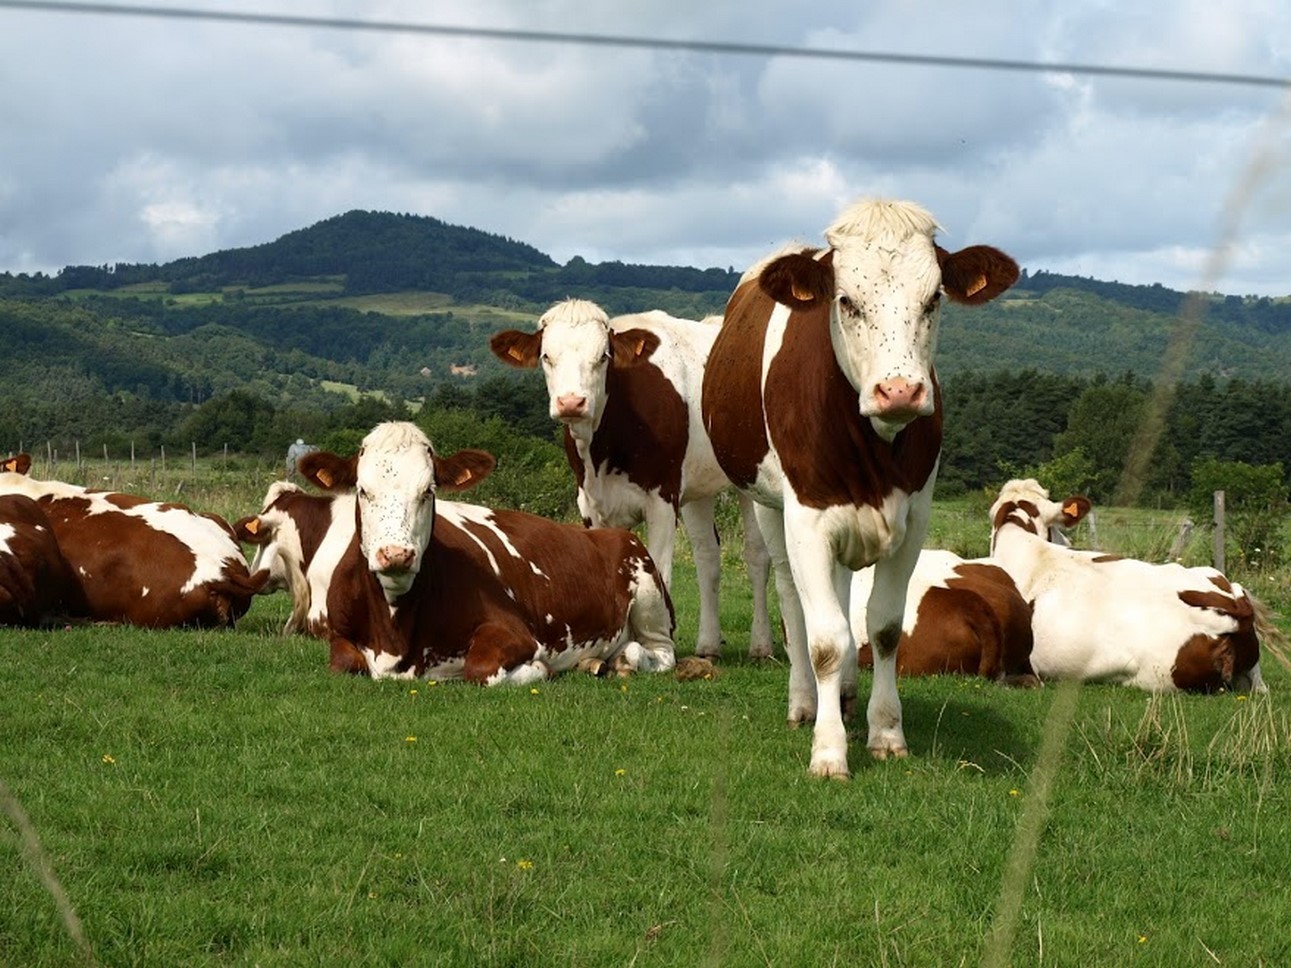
x,y
463,470
251,530
18,464
328,471
977,274
632,346
797,280
517,349
1074,510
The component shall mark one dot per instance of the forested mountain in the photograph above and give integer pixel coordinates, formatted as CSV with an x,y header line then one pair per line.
x,y
253,346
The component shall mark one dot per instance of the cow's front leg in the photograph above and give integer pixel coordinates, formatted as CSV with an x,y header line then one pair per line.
x,y
757,562
883,627
346,657
497,653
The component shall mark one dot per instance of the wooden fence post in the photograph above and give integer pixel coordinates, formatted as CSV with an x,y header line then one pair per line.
x,y
1219,530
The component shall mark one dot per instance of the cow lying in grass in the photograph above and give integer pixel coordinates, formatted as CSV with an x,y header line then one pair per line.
x,y
142,562
1101,618
36,583
448,590
961,616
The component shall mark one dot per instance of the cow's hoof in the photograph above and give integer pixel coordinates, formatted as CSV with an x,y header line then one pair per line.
x,y
761,652
830,767
594,667
883,752
800,716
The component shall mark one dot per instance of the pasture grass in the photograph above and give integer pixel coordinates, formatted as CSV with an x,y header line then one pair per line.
x,y
217,798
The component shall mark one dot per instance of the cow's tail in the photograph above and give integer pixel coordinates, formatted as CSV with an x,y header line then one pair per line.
x,y
1272,639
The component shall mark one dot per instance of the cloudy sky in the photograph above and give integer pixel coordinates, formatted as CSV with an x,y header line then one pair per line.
x,y
145,139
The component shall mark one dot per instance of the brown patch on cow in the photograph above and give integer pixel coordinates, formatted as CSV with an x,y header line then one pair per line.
x,y
1106,559
328,471
1027,521
732,398
37,585
977,274
831,454
1204,664
1222,583
798,279
692,667
826,660
345,658
643,433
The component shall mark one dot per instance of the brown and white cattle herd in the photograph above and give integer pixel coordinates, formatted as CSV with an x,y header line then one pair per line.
x,y
815,398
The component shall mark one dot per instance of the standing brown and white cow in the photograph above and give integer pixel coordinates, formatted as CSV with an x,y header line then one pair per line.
x,y
627,391
450,590
821,402
141,562
36,583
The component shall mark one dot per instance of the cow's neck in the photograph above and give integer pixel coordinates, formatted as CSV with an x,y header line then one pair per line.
x,y
1018,551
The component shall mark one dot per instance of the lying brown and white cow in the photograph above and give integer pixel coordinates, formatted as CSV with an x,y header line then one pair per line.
x,y
141,562
299,539
627,391
1101,618
821,402
962,616
445,590
36,583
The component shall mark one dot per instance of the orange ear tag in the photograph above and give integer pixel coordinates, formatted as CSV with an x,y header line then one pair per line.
x,y
802,295
11,465
640,347
515,354
253,526
977,286
462,478
1071,509
325,477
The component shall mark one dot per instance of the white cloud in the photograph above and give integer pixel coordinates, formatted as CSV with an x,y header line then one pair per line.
x,y
143,139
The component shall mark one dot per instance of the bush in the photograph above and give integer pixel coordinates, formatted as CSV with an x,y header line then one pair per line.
x,y
1255,503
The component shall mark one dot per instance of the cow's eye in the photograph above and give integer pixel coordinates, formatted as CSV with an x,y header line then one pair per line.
x,y
545,359
931,305
846,305
361,494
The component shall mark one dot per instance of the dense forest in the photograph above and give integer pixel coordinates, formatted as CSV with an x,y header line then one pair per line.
x,y
370,315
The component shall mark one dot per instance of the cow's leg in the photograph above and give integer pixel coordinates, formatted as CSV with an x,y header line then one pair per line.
x,y
802,685
661,536
847,686
698,518
650,626
816,576
498,653
757,561
883,624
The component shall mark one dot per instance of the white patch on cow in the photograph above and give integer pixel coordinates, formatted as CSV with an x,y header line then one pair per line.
x,y
7,531
446,670
934,569
859,536
550,618
521,675
144,592
382,665
458,514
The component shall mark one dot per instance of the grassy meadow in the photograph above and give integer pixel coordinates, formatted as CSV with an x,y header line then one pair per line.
x,y
217,798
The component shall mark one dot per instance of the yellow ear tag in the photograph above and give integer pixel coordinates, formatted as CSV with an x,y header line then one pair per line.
x,y
253,526
977,286
1071,509
802,295
325,477
640,347
515,354
11,465
462,478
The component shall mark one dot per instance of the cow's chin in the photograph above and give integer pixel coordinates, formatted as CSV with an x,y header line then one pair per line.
x,y
887,428
395,584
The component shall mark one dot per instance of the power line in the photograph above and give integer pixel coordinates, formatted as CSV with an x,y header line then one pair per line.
x,y
648,43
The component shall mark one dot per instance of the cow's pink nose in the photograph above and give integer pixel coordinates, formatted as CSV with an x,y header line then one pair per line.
x,y
395,558
899,397
571,405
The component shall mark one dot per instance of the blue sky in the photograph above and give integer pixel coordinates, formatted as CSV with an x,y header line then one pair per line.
x,y
135,139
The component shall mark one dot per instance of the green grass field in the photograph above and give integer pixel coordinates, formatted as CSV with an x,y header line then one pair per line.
x,y
218,798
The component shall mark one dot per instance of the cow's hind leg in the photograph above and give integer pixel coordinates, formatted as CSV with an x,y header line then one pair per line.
x,y
757,562
802,685
698,518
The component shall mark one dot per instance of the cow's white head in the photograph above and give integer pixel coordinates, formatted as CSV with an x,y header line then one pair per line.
x,y
882,278
576,348
395,477
1025,504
